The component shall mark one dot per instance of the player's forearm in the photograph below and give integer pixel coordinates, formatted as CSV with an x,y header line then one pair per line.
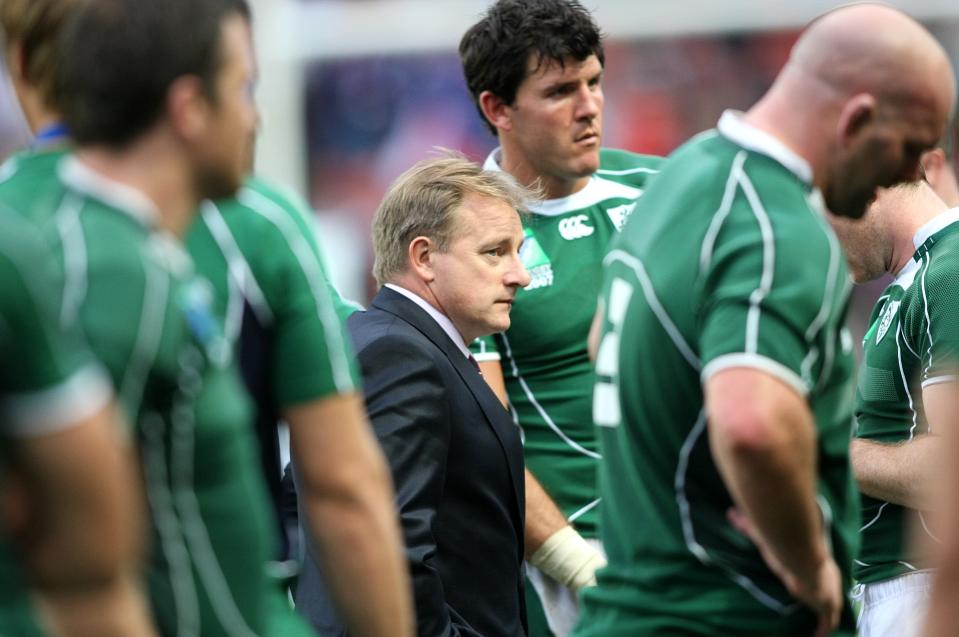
x,y
116,608
903,473
543,517
771,477
346,494
358,542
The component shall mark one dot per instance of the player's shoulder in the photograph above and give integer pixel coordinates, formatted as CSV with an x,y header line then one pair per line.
x,y
627,167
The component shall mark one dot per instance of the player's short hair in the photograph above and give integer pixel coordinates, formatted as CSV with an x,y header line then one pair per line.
x,y
35,27
496,50
423,202
120,58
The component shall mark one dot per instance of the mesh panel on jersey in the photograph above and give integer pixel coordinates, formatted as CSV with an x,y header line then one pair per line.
x,y
876,384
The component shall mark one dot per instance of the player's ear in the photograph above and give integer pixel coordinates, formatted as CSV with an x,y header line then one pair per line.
x,y
188,108
857,115
420,254
496,111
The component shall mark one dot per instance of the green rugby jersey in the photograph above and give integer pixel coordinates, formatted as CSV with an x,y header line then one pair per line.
x,y
728,262
147,318
48,382
549,378
912,342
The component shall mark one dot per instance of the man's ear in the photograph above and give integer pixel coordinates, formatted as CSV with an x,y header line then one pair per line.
x,y
496,111
188,107
420,254
858,113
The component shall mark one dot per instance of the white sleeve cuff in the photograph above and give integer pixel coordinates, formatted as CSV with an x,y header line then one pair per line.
x,y
59,407
755,361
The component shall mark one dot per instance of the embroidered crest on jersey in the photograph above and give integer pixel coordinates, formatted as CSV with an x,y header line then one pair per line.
x,y
575,227
620,214
886,320
536,261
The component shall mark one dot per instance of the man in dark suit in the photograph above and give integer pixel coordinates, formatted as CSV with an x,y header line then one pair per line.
x,y
446,239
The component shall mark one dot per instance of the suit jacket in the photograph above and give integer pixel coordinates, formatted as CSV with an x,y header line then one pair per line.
x,y
457,465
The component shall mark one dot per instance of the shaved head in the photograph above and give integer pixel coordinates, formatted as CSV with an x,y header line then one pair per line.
x,y
866,91
875,49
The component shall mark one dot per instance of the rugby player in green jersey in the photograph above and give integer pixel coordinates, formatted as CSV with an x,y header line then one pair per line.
x,y
534,68
177,128
904,400
70,529
259,251
724,395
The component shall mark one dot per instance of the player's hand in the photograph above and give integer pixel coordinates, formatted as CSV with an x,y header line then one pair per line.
x,y
819,587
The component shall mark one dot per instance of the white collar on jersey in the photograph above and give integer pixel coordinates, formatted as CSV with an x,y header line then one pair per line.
x,y
596,190
732,127
81,177
934,225
441,319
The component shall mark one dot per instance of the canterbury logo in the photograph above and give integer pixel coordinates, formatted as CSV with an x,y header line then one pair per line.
x,y
575,227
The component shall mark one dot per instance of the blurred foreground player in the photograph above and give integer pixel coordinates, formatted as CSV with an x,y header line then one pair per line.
x,y
176,129
534,69
70,529
904,400
723,394
261,254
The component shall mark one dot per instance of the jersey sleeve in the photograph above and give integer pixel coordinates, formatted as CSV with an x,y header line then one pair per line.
x,y
934,321
765,291
484,349
313,357
48,379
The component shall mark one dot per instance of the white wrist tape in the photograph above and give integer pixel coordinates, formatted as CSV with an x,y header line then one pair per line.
x,y
568,559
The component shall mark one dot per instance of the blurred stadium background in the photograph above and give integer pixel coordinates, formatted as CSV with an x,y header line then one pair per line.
x,y
353,92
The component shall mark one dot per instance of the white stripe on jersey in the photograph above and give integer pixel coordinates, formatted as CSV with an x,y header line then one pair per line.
x,y
314,276
729,194
769,261
628,171
74,248
667,323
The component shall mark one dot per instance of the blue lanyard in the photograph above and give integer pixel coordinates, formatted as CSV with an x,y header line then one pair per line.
x,y
51,134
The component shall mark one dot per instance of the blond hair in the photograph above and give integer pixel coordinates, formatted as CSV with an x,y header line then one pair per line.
x,y
35,27
423,202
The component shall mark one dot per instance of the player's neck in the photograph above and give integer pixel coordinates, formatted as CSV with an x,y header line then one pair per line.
x,y
553,187
151,167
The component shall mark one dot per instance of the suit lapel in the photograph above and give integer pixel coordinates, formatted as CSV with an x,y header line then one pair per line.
x,y
496,415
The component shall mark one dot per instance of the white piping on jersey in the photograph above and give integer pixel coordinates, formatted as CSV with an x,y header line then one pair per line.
x,y
935,380
769,261
9,168
757,361
628,171
124,198
596,190
539,408
873,521
183,452
689,535
828,300
172,543
314,275
719,217
733,127
67,220
55,408
152,318
934,225
239,275
637,266
583,511
927,261
908,565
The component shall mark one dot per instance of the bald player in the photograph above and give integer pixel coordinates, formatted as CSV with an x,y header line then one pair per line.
x,y
723,393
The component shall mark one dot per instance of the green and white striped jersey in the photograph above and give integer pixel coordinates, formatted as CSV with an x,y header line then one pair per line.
x,y
727,262
147,318
549,378
912,342
260,248
48,382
